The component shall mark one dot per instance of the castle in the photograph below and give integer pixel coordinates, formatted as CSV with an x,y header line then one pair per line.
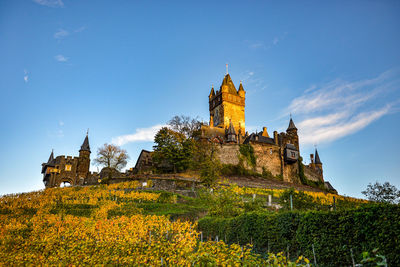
x,y
72,170
277,154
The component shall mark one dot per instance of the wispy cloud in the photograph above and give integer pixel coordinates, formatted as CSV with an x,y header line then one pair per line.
x,y
60,34
80,29
50,3
61,58
339,108
252,82
26,76
141,135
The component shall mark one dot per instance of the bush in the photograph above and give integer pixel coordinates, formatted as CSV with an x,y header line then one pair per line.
x,y
333,234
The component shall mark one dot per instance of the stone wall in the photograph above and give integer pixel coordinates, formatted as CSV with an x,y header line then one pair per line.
x,y
229,154
312,174
267,156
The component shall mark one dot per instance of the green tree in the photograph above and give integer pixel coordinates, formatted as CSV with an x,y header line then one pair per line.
x,y
172,150
385,193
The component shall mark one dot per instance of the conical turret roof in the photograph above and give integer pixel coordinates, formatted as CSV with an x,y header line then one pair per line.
x,y
85,146
317,160
241,87
212,92
51,158
228,82
291,125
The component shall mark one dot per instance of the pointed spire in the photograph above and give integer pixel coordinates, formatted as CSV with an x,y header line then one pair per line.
x,y
212,92
51,158
317,160
241,87
85,146
291,125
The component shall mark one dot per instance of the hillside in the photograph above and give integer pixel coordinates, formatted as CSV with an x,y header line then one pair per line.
x,y
131,223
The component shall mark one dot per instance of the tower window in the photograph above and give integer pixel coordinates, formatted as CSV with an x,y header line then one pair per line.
x,y
68,167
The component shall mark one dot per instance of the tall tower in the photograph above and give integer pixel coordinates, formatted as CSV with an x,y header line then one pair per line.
x,y
227,104
318,163
292,133
84,159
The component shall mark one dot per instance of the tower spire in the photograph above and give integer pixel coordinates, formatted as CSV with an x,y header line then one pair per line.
x,y
85,146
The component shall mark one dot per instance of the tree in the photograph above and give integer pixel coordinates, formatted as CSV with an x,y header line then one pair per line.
x,y
385,193
112,157
190,127
172,150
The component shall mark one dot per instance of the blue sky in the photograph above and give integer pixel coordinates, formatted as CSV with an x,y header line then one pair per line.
x,y
123,68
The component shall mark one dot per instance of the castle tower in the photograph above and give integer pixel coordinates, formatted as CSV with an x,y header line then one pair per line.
x,y
318,163
292,133
227,104
84,159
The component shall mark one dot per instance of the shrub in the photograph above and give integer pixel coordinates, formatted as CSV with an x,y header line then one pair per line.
x,y
333,234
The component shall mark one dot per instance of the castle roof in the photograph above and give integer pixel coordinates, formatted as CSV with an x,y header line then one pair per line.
x,y
317,160
228,81
212,93
258,137
85,146
241,87
50,162
291,125
51,158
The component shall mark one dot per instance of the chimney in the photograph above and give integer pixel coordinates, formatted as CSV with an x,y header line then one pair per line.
x,y
312,158
276,137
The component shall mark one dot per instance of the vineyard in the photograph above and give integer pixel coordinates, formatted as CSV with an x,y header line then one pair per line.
x,y
120,224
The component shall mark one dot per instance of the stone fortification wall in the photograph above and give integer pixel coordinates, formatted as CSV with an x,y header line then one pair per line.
x,y
267,156
312,174
229,154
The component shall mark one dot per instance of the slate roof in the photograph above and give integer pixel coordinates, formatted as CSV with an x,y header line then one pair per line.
x,y
228,81
317,160
241,87
261,139
329,186
291,146
291,125
212,93
85,146
50,163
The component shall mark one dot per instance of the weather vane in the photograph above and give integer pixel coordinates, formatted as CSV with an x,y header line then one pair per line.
x,y
227,68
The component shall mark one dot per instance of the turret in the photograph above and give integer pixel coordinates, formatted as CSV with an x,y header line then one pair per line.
x,y
292,134
212,93
318,163
241,91
84,159
231,134
291,128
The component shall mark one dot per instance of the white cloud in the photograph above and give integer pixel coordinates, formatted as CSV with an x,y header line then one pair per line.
x,y
80,29
141,135
61,33
61,58
50,3
339,108
275,41
326,130
61,123
26,76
